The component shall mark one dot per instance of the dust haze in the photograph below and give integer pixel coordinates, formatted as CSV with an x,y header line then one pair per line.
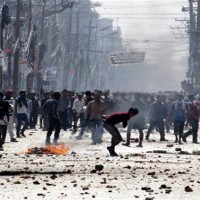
x,y
146,27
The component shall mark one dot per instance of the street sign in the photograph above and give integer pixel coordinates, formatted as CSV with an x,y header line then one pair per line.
x,y
127,58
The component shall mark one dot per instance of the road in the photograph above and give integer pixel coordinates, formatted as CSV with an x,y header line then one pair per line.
x,y
159,170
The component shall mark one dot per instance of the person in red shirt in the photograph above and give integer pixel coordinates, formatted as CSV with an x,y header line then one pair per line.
x,y
193,119
109,125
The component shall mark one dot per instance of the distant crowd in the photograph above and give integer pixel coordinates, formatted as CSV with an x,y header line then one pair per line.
x,y
87,111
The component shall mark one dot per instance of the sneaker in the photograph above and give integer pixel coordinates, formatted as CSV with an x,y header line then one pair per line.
x,y
48,143
100,141
184,139
18,136
112,152
22,134
139,145
93,143
13,140
147,138
126,144
163,139
1,149
55,142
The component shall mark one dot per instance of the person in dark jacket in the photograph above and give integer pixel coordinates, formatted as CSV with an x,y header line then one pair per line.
x,y
109,125
54,121
157,118
4,118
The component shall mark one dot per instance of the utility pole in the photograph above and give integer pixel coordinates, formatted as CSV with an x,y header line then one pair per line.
x,y
68,56
29,77
192,40
75,80
17,50
196,53
87,67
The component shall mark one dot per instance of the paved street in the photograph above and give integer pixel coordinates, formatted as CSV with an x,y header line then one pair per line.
x,y
139,173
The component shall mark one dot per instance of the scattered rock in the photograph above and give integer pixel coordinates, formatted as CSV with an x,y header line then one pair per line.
x,y
170,145
17,182
196,152
149,198
159,151
163,186
178,149
36,182
53,176
146,189
151,173
99,167
188,189
127,167
41,194
184,152
68,171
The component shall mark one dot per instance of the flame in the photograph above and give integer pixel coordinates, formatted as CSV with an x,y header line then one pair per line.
x,y
60,149
57,149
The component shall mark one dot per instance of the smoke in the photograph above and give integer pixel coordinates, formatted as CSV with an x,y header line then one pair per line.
x,y
146,27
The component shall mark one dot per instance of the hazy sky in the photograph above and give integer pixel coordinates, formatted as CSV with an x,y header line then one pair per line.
x,y
146,26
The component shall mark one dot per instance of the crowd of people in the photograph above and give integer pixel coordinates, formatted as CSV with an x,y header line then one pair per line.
x,y
96,111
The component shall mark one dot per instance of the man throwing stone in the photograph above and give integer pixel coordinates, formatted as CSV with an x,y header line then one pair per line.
x,y
109,125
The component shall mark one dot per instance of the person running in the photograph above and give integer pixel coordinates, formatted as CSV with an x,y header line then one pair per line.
x,y
109,125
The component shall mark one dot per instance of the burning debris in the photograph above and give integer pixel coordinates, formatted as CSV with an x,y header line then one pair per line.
x,y
60,149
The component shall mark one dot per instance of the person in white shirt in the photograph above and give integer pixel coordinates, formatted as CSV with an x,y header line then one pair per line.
x,y
77,106
21,106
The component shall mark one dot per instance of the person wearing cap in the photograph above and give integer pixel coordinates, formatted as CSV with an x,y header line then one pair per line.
x,y
10,100
193,119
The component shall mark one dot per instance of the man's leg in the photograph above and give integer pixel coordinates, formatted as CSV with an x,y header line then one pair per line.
x,y
114,140
176,130
99,131
4,131
141,136
1,141
195,131
92,125
128,135
49,132
161,129
181,128
57,131
19,123
151,127
10,129
25,119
